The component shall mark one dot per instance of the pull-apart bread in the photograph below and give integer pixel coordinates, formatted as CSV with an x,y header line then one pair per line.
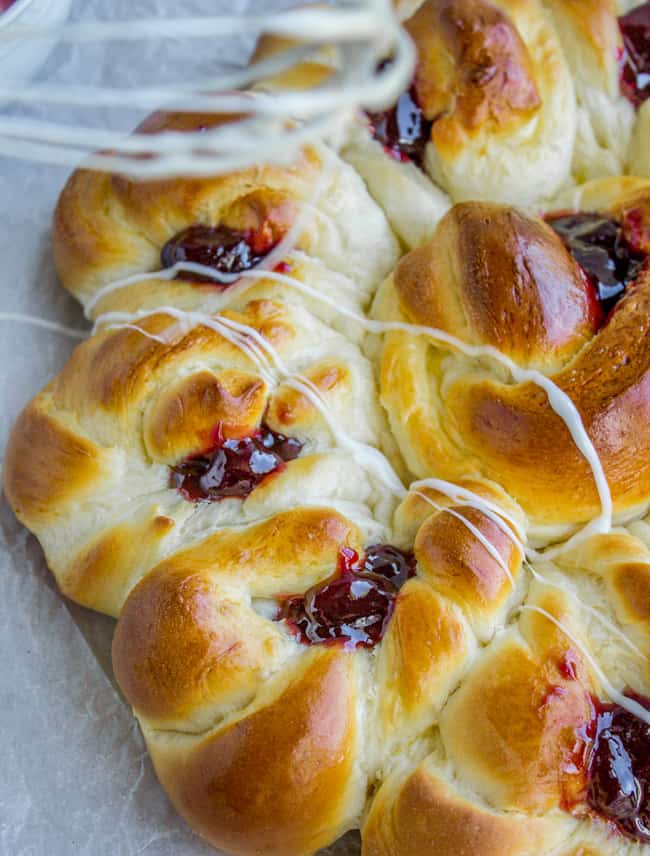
x,y
358,454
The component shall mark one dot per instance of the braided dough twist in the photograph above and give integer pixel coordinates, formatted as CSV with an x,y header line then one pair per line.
x,y
467,724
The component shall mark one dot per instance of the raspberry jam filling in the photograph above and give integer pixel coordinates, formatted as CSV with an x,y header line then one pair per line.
x,y
355,605
403,130
234,468
602,250
635,57
619,769
228,251
6,4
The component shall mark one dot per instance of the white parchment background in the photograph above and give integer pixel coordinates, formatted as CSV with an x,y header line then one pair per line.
x,y
74,775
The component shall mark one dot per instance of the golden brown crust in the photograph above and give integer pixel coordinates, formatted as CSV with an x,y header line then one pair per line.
x,y
494,276
422,814
459,565
107,226
47,466
630,583
422,657
291,409
520,753
474,70
117,370
184,418
256,737
187,641
304,75
290,551
86,238
524,444
280,779
103,572
181,644
623,563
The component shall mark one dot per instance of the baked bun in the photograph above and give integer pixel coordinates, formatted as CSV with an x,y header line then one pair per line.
x,y
267,743
495,277
603,44
522,761
108,228
510,101
328,619
155,433
520,95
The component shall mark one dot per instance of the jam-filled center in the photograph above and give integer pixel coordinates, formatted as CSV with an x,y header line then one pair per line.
x,y
619,769
355,605
227,251
6,4
603,251
403,130
235,467
635,57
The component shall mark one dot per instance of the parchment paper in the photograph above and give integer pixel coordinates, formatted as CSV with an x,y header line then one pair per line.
x,y
74,774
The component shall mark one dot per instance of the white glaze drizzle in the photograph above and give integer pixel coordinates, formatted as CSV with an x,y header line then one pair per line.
x,y
476,532
247,338
151,97
251,342
499,516
239,281
557,398
491,509
44,324
265,357
161,339
590,609
368,456
363,35
628,704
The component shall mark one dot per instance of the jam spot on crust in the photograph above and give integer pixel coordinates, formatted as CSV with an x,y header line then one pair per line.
x,y
234,468
228,251
619,769
635,57
355,605
6,4
403,130
601,248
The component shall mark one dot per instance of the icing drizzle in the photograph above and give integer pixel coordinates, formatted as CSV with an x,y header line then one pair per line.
x,y
558,399
263,354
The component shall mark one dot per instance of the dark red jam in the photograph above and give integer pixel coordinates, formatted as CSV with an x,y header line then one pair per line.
x,y
403,130
355,605
600,247
226,250
635,58
234,468
619,769
6,4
